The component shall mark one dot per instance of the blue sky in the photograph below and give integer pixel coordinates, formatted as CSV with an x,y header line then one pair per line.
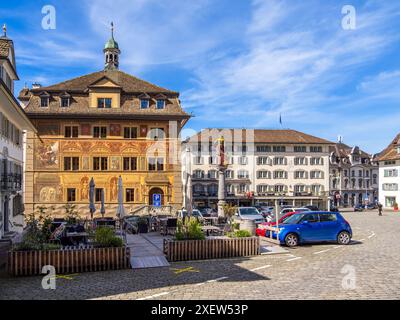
x,y
236,63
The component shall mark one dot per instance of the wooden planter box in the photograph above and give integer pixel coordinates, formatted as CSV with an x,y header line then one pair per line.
x,y
211,248
28,263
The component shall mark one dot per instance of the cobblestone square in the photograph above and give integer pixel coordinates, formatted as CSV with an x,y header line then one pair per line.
x,y
307,272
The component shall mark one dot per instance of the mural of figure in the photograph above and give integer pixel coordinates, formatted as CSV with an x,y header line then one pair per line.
x,y
60,192
48,194
114,188
115,163
48,154
85,188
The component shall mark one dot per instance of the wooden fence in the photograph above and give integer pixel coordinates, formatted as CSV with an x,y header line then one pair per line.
x,y
27,263
211,248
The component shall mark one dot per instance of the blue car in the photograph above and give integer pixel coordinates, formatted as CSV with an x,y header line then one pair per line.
x,y
308,227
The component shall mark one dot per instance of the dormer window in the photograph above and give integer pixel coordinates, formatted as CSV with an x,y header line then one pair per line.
x,y
144,103
398,149
65,100
44,100
104,103
160,104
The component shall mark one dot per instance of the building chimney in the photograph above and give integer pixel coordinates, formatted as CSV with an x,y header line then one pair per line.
x,y
36,85
340,139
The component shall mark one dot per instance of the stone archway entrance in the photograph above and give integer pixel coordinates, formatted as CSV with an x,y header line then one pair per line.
x,y
154,191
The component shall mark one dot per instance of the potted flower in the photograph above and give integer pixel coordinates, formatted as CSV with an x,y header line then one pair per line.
x,y
396,206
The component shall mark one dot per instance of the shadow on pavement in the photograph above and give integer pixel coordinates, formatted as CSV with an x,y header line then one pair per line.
x,y
111,283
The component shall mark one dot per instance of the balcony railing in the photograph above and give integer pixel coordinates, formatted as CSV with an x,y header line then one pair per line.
x,y
11,182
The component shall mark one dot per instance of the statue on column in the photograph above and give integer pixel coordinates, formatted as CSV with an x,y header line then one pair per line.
x,y
222,166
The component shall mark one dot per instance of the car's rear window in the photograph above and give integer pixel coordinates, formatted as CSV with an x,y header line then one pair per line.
x,y
327,217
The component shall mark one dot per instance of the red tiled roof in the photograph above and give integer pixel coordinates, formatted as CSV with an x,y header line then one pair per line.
x,y
390,153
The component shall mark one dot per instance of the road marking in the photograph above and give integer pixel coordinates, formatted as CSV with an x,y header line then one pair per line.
x,y
65,277
337,247
371,236
215,280
323,251
211,281
260,268
361,240
154,296
293,259
188,269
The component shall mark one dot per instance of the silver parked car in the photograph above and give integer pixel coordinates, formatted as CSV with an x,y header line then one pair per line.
x,y
249,213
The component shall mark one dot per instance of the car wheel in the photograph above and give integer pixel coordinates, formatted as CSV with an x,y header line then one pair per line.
x,y
292,240
344,238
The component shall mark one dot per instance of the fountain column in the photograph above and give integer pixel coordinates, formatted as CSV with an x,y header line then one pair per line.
x,y
222,166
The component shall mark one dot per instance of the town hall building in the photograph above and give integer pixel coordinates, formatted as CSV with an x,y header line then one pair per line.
x,y
103,125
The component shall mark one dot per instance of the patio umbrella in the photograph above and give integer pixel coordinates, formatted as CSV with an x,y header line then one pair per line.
x,y
92,207
120,209
102,208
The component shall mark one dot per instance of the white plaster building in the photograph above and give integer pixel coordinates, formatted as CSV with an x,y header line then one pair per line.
x,y
263,165
354,176
389,178
13,122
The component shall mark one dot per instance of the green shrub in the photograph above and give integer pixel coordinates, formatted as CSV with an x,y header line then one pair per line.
x,y
239,234
189,230
37,232
105,237
236,226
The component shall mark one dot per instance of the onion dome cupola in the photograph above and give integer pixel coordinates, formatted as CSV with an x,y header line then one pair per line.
x,y
111,52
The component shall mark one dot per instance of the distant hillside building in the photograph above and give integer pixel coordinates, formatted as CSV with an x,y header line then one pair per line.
x,y
389,178
354,176
103,125
13,123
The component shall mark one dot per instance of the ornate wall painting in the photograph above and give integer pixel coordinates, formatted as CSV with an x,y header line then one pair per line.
x,y
115,147
86,146
115,163
101,147
114,189
143,131
85,130
84,185
86,163
115,130
71,146
47,155
48,194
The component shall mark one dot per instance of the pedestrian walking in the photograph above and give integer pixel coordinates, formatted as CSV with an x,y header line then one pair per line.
x,y
380,208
